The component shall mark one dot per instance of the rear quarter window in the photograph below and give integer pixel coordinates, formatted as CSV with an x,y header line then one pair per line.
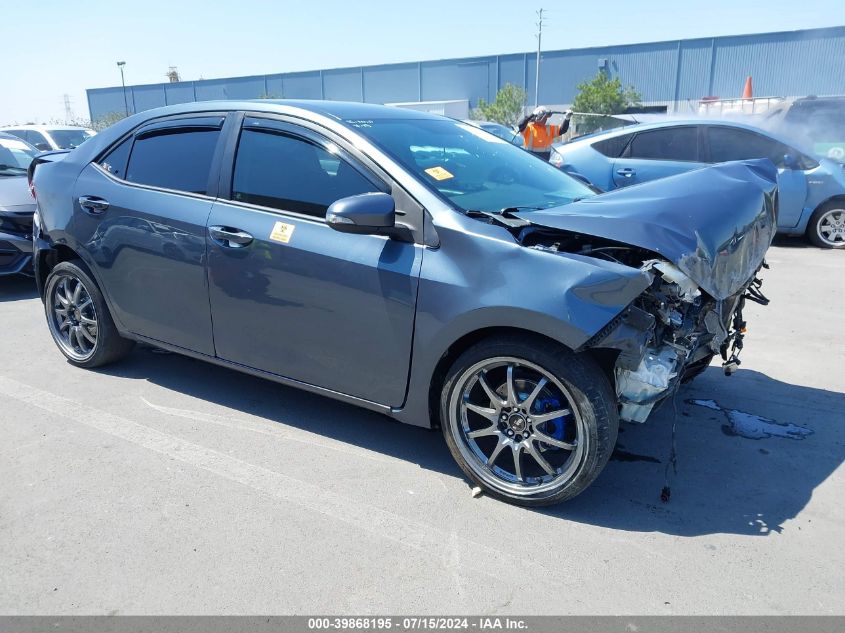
x,y
612,147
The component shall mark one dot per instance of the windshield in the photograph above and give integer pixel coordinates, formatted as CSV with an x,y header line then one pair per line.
x,y
15,157
474,170
69,139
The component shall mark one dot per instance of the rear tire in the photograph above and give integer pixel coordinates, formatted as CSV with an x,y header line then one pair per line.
x,y
826,228
79,319
521,441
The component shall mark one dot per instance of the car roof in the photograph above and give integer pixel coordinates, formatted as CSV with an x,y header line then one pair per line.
x,y
644,127
43,127
338,110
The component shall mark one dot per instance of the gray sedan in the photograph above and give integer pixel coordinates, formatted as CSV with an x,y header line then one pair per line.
x,y
406,263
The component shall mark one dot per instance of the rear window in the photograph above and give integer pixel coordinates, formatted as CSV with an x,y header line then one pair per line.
x,y
671,143
177,159
612,147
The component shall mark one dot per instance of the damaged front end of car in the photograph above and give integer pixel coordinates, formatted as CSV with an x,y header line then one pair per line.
x,y
700,239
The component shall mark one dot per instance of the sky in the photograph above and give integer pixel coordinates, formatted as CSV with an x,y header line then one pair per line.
x,y
57,47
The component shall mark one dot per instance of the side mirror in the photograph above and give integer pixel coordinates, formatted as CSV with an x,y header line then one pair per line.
x,y
790,161
43,147
364,214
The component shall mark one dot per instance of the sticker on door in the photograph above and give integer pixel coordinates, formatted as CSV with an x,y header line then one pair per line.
x,y
282,232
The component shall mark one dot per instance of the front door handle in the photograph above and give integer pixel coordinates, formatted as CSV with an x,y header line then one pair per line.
x,y
93,204
227,236
626,171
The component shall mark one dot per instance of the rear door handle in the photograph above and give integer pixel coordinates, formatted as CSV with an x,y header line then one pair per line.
x,y
93,204
626,171
227,236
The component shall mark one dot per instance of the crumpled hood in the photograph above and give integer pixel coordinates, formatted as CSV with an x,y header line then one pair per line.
x,y
715,224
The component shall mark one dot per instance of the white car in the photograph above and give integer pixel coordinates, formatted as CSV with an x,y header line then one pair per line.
x,y
49,137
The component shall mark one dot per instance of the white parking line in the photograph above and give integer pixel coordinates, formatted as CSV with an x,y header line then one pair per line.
x,y
441,545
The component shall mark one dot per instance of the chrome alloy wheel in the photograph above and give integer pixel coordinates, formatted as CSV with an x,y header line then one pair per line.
x,y
72,317
517,426
831,227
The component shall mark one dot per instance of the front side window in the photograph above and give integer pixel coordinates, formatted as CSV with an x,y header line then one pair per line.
x,y
282,171
671,143
734,144
473,169
174,158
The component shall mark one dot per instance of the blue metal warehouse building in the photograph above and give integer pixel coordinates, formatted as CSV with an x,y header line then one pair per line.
x,y
675,73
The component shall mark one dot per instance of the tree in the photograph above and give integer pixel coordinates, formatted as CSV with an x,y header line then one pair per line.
x,y
104,120
506,107
603,95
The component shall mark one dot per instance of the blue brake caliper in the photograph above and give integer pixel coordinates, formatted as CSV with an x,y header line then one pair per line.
x,y
553,428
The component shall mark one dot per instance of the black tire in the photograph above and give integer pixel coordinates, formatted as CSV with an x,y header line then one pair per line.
x,y
575,377
91,345
827,213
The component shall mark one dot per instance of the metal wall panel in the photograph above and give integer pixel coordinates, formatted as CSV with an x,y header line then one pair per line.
x,y
148,97
391,84
446,80
302,86
235,88
181,92
343,85
786,64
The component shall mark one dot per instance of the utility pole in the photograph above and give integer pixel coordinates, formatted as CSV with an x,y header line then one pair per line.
x,y
123,83
539,49
68,110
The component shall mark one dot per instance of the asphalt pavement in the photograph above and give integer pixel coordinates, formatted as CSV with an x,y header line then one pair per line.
x,y
164,485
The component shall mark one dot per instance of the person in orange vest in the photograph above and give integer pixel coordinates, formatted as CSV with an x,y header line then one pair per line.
x,y
538,135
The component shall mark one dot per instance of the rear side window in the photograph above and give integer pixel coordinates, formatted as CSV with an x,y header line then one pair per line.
x,y
612,147
177,159
290,173
671,143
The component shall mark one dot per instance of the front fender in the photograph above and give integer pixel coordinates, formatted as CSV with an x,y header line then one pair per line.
x,y
567,298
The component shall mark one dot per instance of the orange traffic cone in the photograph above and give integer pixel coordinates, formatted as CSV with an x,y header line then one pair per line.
x,y
747,92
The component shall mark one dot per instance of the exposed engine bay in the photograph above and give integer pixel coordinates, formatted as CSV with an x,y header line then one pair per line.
x,y
698,256
669,334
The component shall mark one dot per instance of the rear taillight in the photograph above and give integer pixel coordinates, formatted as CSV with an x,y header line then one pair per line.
x,y
32,190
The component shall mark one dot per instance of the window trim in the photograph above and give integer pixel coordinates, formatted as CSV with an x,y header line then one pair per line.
x,y
698,144
172,121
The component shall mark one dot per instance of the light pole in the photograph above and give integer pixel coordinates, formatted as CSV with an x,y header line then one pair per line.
x,y
123,83
539,48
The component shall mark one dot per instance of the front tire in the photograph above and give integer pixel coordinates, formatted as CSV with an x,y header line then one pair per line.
x,y
530,423
826,228
79,319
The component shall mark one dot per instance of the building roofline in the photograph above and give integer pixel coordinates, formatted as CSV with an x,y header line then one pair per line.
x,y
833,30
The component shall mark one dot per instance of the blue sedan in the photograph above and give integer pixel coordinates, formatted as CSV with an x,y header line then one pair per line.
x,y
811,189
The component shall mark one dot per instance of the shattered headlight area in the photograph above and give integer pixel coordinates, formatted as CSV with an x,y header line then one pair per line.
x,y
669,335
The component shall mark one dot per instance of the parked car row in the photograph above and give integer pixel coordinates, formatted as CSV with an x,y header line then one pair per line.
x,y
407,263
50,137
16,205
811,189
